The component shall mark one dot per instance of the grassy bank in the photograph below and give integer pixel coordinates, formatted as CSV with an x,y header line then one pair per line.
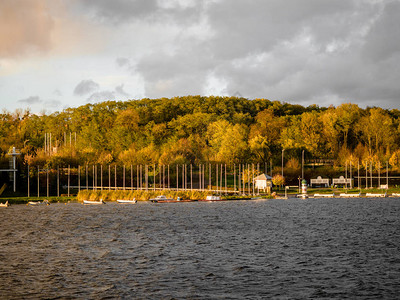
x,y
25,200
140,195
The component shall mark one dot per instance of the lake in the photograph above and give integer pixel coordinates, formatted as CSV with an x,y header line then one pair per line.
x,y
279,249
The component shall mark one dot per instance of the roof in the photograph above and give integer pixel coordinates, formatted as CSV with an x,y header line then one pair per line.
x,y
263,177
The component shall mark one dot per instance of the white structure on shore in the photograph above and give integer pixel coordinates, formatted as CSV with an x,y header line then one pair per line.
x,y
263,182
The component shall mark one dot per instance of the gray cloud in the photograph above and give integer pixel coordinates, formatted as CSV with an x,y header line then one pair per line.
x,y
30,100
119,11
120,90
85,87
101,96
54,104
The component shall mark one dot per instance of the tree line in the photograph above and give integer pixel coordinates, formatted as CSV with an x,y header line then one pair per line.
x,y
196,129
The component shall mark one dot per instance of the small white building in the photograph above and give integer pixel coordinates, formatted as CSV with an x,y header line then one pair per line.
x,y
342,181
319,181
263,182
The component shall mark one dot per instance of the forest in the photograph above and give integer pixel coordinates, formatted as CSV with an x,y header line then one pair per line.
x,y
201,130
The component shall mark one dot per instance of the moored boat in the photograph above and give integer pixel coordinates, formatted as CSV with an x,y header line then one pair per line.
x,y
121,201
93,202
324,195
5,204
345,195
163,199
34,203
372,195
212,198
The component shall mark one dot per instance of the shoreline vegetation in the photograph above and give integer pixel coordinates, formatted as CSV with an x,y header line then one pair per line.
x,y
113,196
124,143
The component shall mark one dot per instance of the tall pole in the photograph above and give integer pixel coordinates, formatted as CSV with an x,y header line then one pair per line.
x,y
38,180
351,178
387,175
79,178
302,165
123,180
69,178
371,172
234,177
58,181
28,183
283,150
47,182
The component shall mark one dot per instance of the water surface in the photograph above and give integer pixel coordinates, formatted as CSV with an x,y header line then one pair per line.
x,y
280,249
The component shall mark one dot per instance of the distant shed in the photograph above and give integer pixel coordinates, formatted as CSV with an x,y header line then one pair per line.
x,y
319,181
263,182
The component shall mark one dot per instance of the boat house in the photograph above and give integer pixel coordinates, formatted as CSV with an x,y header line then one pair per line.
x,y
319,181
263,182
342,181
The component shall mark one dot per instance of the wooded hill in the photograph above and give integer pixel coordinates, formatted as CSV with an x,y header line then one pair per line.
x,y
195,129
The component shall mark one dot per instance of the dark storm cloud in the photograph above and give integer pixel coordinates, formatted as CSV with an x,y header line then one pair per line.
x,y
85,87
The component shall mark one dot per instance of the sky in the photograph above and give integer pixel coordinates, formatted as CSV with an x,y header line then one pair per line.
x,y
56,54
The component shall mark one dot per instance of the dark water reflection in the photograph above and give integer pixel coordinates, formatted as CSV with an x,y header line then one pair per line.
x,y
295,249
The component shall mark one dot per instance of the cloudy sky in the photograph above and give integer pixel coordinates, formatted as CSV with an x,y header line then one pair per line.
x,y
56,54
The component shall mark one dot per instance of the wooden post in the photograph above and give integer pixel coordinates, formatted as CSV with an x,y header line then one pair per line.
x,y
101,177
191,177
177,177
169,187
109,177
